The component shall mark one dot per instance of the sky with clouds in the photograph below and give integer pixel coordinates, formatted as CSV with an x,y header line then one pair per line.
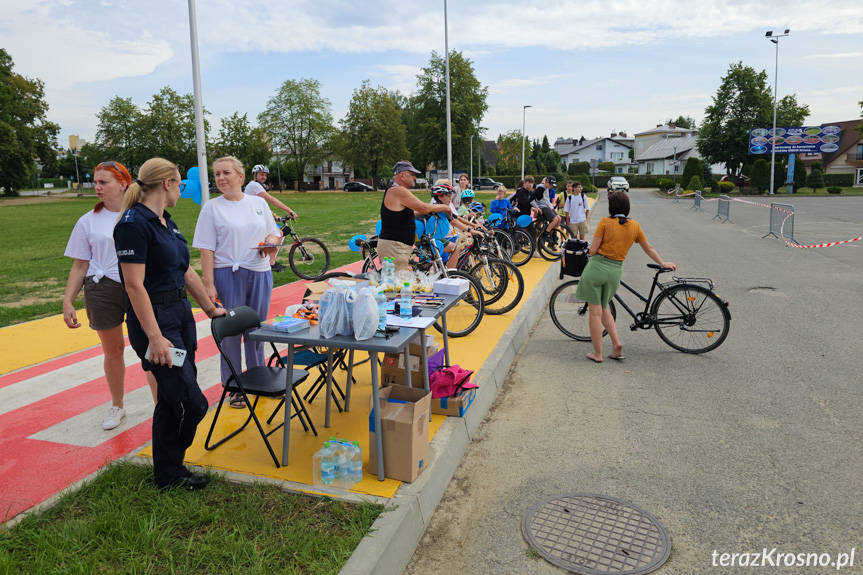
x,y
587,67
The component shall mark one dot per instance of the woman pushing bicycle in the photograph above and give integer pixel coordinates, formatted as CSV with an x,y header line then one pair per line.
x,y
600,280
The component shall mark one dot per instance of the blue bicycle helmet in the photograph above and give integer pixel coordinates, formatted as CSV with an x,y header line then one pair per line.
x,y
467,195
477,207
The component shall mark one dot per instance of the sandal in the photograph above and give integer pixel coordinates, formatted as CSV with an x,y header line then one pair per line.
x,y
237,401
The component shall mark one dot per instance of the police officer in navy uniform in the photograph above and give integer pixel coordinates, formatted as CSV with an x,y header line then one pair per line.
x,y
154,264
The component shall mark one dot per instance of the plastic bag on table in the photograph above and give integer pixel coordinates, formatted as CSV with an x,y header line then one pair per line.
x,y
335,312
365,314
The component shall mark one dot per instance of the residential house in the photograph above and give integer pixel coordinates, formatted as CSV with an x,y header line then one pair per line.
x,y
611,149
848,158
665,149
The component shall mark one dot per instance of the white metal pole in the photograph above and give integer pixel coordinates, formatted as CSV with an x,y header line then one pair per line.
x,y
199,107
448,120
471,161
773,146
523,117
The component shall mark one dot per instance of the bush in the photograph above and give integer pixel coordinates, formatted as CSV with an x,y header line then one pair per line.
x,y
576,168
838,180
834,190
708,178
800,173
815,180
695,184
589,188
690,170
818,166
606,166
664,184
748,191
725,187
760,175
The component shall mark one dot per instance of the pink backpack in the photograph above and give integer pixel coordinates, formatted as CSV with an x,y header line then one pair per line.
x,y
449,381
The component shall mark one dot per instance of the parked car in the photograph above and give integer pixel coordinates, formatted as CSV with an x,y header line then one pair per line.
x,y
357,187
618,183
480,183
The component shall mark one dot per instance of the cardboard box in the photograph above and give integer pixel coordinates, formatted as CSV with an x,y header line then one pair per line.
x,y
454,406
404,432
451,286
393,367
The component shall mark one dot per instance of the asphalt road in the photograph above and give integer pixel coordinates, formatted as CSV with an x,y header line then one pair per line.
x,y
758,444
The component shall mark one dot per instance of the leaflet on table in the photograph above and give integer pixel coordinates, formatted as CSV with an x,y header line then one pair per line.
x,y
286,323
417,322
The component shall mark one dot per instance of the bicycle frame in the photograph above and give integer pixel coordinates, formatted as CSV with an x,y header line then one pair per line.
x,y
643,320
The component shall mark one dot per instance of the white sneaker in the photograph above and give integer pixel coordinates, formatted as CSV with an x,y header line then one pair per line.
x,y
113,417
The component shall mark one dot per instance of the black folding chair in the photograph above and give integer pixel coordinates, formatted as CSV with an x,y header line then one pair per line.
x,y
309,358
263,381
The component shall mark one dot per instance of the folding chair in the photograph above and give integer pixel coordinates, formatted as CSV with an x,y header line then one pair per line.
x,y
310,358
258,381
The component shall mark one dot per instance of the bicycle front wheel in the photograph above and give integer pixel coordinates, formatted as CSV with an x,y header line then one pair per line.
x,y
502,285
522,247
691,318
465,316
570,314
309,258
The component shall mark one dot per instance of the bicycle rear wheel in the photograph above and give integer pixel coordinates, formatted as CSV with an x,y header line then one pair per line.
x,y
691,318
502,285
570,314
309,258
522,246
465,316
548,250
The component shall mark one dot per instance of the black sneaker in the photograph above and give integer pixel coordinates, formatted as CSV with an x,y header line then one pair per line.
x,y
277,267
193,482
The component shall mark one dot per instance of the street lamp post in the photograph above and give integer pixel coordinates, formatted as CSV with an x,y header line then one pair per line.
x,y
448,120
775,39
523,117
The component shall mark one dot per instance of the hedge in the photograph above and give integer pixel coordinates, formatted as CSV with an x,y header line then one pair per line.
x,y
838,180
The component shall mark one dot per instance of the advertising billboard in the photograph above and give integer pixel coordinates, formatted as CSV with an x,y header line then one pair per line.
x,y
797,140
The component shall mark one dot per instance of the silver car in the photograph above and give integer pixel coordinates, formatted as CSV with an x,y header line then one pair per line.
x,y
617,183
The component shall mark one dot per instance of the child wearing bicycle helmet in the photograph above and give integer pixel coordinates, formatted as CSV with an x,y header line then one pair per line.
x,y
466,198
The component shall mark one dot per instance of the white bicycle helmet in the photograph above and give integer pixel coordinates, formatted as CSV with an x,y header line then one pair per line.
x,y
260,168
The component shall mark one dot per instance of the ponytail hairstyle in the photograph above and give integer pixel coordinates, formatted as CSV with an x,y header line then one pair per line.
x,y
150,176
120,173
618,206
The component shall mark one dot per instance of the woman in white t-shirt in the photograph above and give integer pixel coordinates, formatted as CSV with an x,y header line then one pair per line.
x,y
91,246
229,229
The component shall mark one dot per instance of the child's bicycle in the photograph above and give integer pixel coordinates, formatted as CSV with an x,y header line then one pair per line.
x,y
309,258
686,313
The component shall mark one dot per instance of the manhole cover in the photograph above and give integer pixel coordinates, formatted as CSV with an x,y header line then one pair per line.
x,y
590,534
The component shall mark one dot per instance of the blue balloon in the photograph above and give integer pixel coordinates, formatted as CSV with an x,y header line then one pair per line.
x,y
378,228
444,256
420,227
524,221
353,244
437,226
495,219
193,186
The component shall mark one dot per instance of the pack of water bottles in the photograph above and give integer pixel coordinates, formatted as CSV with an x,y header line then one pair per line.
x,y
339,464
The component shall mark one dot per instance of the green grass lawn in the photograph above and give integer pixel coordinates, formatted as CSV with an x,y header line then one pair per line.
x,y
120,523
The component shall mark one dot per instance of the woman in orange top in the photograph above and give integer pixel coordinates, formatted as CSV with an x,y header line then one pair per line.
x,y
601,278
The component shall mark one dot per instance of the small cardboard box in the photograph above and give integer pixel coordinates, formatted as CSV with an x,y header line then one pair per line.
x,y
451,286
454,406
404,432
317,289
393,368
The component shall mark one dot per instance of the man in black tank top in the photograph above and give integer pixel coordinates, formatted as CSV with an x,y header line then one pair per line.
x,y
399,208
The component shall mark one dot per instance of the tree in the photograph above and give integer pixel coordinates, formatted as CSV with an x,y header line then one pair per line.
x,y
299,120
815,180
799,173
118,134
238,138
682,122
695,184
509,146
467,106
25,132
692,168
606,167
744,101
707,177
167,129
761,175
373,135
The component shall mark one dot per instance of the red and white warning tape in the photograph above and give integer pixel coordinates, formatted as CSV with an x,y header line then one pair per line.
x,y
782,227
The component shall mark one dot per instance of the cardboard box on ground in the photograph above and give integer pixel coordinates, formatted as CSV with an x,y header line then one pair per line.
x,y
404,432
393,368
317,289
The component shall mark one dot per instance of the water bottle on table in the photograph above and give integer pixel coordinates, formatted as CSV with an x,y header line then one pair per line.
x,y
406,302
381,300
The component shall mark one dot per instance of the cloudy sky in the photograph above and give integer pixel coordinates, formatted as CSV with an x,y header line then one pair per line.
x,y
586,67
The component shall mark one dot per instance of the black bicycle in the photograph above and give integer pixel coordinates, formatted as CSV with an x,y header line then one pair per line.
x,y
309,258
686,313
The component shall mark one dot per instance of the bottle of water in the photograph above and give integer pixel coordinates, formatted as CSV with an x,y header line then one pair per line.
x,y
405,302
389,273
328,464
343,463
357,463
381,300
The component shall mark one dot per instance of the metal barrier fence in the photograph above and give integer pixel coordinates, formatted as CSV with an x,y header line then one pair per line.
x,y
696,203
778,215
722,209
